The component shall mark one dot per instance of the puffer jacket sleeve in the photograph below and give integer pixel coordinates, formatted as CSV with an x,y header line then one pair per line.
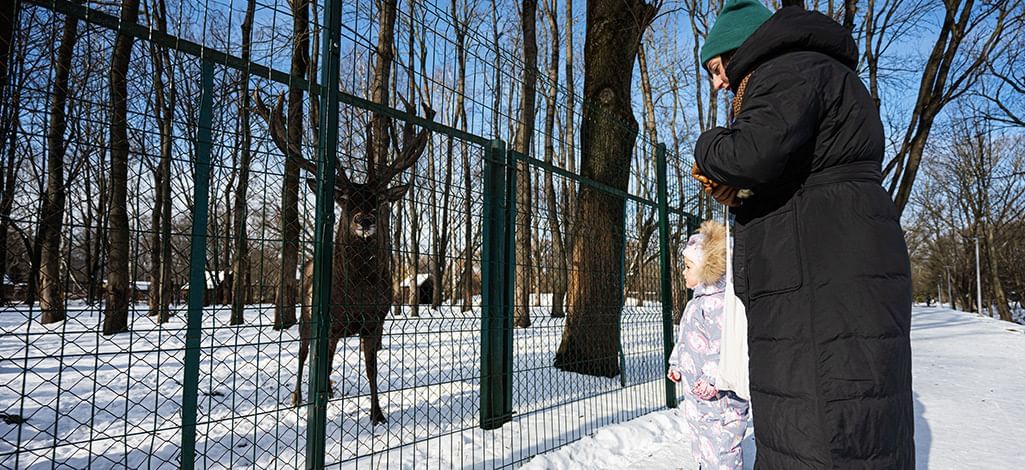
x,y
780,114
676,357
709,329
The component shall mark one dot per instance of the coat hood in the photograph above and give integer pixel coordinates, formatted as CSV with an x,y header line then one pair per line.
x,y
793,29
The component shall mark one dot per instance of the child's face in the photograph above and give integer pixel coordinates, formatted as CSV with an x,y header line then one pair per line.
x,y
690,273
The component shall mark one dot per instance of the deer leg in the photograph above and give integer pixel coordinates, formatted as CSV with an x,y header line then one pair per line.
x,y
332,346
304,350
371,344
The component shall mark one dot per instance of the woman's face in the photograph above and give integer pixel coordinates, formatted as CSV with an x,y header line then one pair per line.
x,y
717,69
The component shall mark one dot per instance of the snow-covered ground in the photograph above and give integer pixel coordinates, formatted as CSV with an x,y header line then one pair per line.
x,y
93,401
969,383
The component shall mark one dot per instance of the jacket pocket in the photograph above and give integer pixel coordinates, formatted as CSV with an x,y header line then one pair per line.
x,y
773,254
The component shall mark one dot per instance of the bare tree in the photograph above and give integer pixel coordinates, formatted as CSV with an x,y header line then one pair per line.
x,y
284,312
646,225
568,189
11,85
461,23
240,268
948,73
886,22
590,340
118,291
1005,90
522,144
558,268
972,190
51,216
164,93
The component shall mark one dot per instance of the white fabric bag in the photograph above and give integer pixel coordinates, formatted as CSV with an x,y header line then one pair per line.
x,y
733,357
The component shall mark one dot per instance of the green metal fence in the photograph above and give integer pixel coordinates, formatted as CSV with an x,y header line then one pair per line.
x,y
203,373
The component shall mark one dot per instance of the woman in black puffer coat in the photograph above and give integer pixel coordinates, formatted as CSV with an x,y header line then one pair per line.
x,y
820,258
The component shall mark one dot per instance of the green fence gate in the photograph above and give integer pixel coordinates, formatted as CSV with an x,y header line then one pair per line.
x,y
195,227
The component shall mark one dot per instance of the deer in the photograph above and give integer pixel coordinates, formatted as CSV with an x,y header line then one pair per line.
x,y
361,284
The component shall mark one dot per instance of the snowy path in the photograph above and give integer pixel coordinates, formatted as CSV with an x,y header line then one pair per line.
x,y
969,380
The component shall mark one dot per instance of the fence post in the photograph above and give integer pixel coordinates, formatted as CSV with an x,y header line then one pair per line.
x,y
509,303
197,267
323,241
496,321
665,267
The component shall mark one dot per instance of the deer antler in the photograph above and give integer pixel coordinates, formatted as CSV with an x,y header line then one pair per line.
x,y
276,125
274,120
413,144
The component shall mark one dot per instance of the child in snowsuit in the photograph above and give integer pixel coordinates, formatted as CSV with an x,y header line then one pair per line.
x,y
716,419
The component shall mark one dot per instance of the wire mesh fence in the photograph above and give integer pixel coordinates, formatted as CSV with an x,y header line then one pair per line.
x,y
249,269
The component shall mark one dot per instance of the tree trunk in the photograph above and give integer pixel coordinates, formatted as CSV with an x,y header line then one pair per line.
x,y
443,236
679,287
568,189
8,26
590,341
942,81
11,162
118,291
160,250
999,295
240,264
51,292
522,144
850,9
557,269
284,313
646,226
465,284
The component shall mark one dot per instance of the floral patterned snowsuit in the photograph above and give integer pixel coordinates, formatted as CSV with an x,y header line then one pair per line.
x,y
717,426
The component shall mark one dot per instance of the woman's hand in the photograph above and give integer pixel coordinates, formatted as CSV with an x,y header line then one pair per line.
x,y
674,376
704,390
725,194
720,192
695,172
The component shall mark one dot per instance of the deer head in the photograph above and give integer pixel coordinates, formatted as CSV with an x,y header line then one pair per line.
x,y
359,202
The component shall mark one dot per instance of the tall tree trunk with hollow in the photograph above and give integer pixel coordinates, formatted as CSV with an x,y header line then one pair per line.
x,y
119,293
51,293
522,144
590,340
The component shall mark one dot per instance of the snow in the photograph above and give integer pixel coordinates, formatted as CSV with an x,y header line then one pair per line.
x,y
968,385
119,400
420,279
213,278
93,401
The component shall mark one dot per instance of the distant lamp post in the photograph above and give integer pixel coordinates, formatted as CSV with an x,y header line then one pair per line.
x,y
978,276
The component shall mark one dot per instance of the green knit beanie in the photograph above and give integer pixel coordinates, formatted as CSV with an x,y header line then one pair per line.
x,y
737,20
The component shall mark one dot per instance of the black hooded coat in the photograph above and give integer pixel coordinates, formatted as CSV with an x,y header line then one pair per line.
x,y
820,259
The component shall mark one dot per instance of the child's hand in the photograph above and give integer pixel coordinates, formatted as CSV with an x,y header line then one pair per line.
x,y
704,391
674,376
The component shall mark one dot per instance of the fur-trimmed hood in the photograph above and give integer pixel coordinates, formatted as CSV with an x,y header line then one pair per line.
x,y
707,252
715,252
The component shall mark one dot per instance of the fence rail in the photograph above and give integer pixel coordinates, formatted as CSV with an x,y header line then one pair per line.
x,y
217,321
